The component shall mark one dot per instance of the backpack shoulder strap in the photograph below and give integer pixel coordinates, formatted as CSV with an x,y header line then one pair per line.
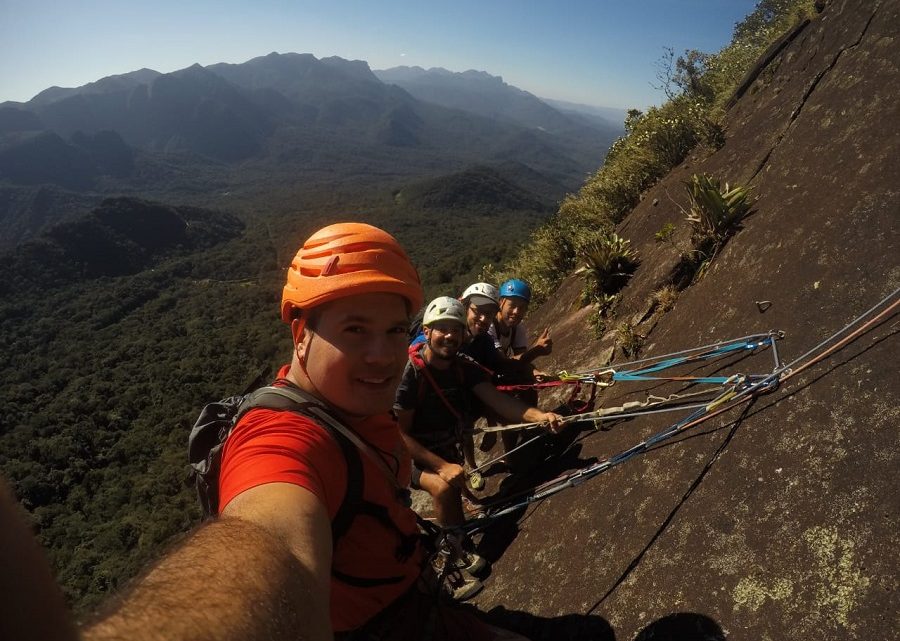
x,y
294,400
291,398
353,497
315,409
415,355
418,363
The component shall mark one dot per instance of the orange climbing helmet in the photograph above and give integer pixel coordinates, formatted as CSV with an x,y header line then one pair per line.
x,y
345,259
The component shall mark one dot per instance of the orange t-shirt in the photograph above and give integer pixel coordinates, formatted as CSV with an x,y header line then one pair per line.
x,y
270,446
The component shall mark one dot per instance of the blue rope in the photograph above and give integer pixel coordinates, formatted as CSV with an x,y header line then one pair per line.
x,y
690,354
640,374
749,385
626,376
761,384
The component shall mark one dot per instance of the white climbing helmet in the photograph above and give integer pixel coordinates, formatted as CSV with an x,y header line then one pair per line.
x,y
481,294
444,308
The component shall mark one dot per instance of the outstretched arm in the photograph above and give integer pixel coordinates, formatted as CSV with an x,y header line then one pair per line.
x,y
259,572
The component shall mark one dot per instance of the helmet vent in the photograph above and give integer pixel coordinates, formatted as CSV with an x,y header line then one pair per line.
x,y
331,266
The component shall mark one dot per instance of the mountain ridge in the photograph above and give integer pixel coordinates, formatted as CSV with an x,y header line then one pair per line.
x,y
483,93
121,236
276,120
118,81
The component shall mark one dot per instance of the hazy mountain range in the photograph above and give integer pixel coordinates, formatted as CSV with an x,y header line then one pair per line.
x,y
487,95
597,116
285,123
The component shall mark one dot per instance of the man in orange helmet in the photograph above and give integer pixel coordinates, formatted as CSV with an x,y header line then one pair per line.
x,y
271,565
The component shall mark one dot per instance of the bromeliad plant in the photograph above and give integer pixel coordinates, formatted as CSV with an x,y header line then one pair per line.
x,y
607,264
655,141
628,339
715,212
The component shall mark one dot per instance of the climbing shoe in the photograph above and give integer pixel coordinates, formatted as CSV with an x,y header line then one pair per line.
x,y
459,585
471,562
459,550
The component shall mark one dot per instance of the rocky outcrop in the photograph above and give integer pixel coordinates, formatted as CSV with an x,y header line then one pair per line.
x,y
778,521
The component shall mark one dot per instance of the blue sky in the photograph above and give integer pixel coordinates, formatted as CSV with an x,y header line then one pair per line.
x,y
594,52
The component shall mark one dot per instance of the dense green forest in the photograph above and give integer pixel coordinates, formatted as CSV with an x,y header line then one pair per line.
x,y
121,324
102,377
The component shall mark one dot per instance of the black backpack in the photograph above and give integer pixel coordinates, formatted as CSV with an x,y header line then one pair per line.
x,y
215,423
217,420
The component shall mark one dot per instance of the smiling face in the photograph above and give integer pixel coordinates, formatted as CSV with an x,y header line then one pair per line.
x,y
354,356
444,338
512,310
479,317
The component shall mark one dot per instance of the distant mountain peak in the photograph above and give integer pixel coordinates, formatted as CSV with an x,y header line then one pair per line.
x,y
103,85
482,75
296,105
407,72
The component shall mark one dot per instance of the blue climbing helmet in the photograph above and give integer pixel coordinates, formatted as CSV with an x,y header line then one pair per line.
x,y
515,287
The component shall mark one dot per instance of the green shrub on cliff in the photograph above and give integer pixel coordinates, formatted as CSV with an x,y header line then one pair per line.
x,y
699,86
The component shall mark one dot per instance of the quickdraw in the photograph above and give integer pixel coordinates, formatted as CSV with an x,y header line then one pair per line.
x,y
741,389
608,376
604,378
